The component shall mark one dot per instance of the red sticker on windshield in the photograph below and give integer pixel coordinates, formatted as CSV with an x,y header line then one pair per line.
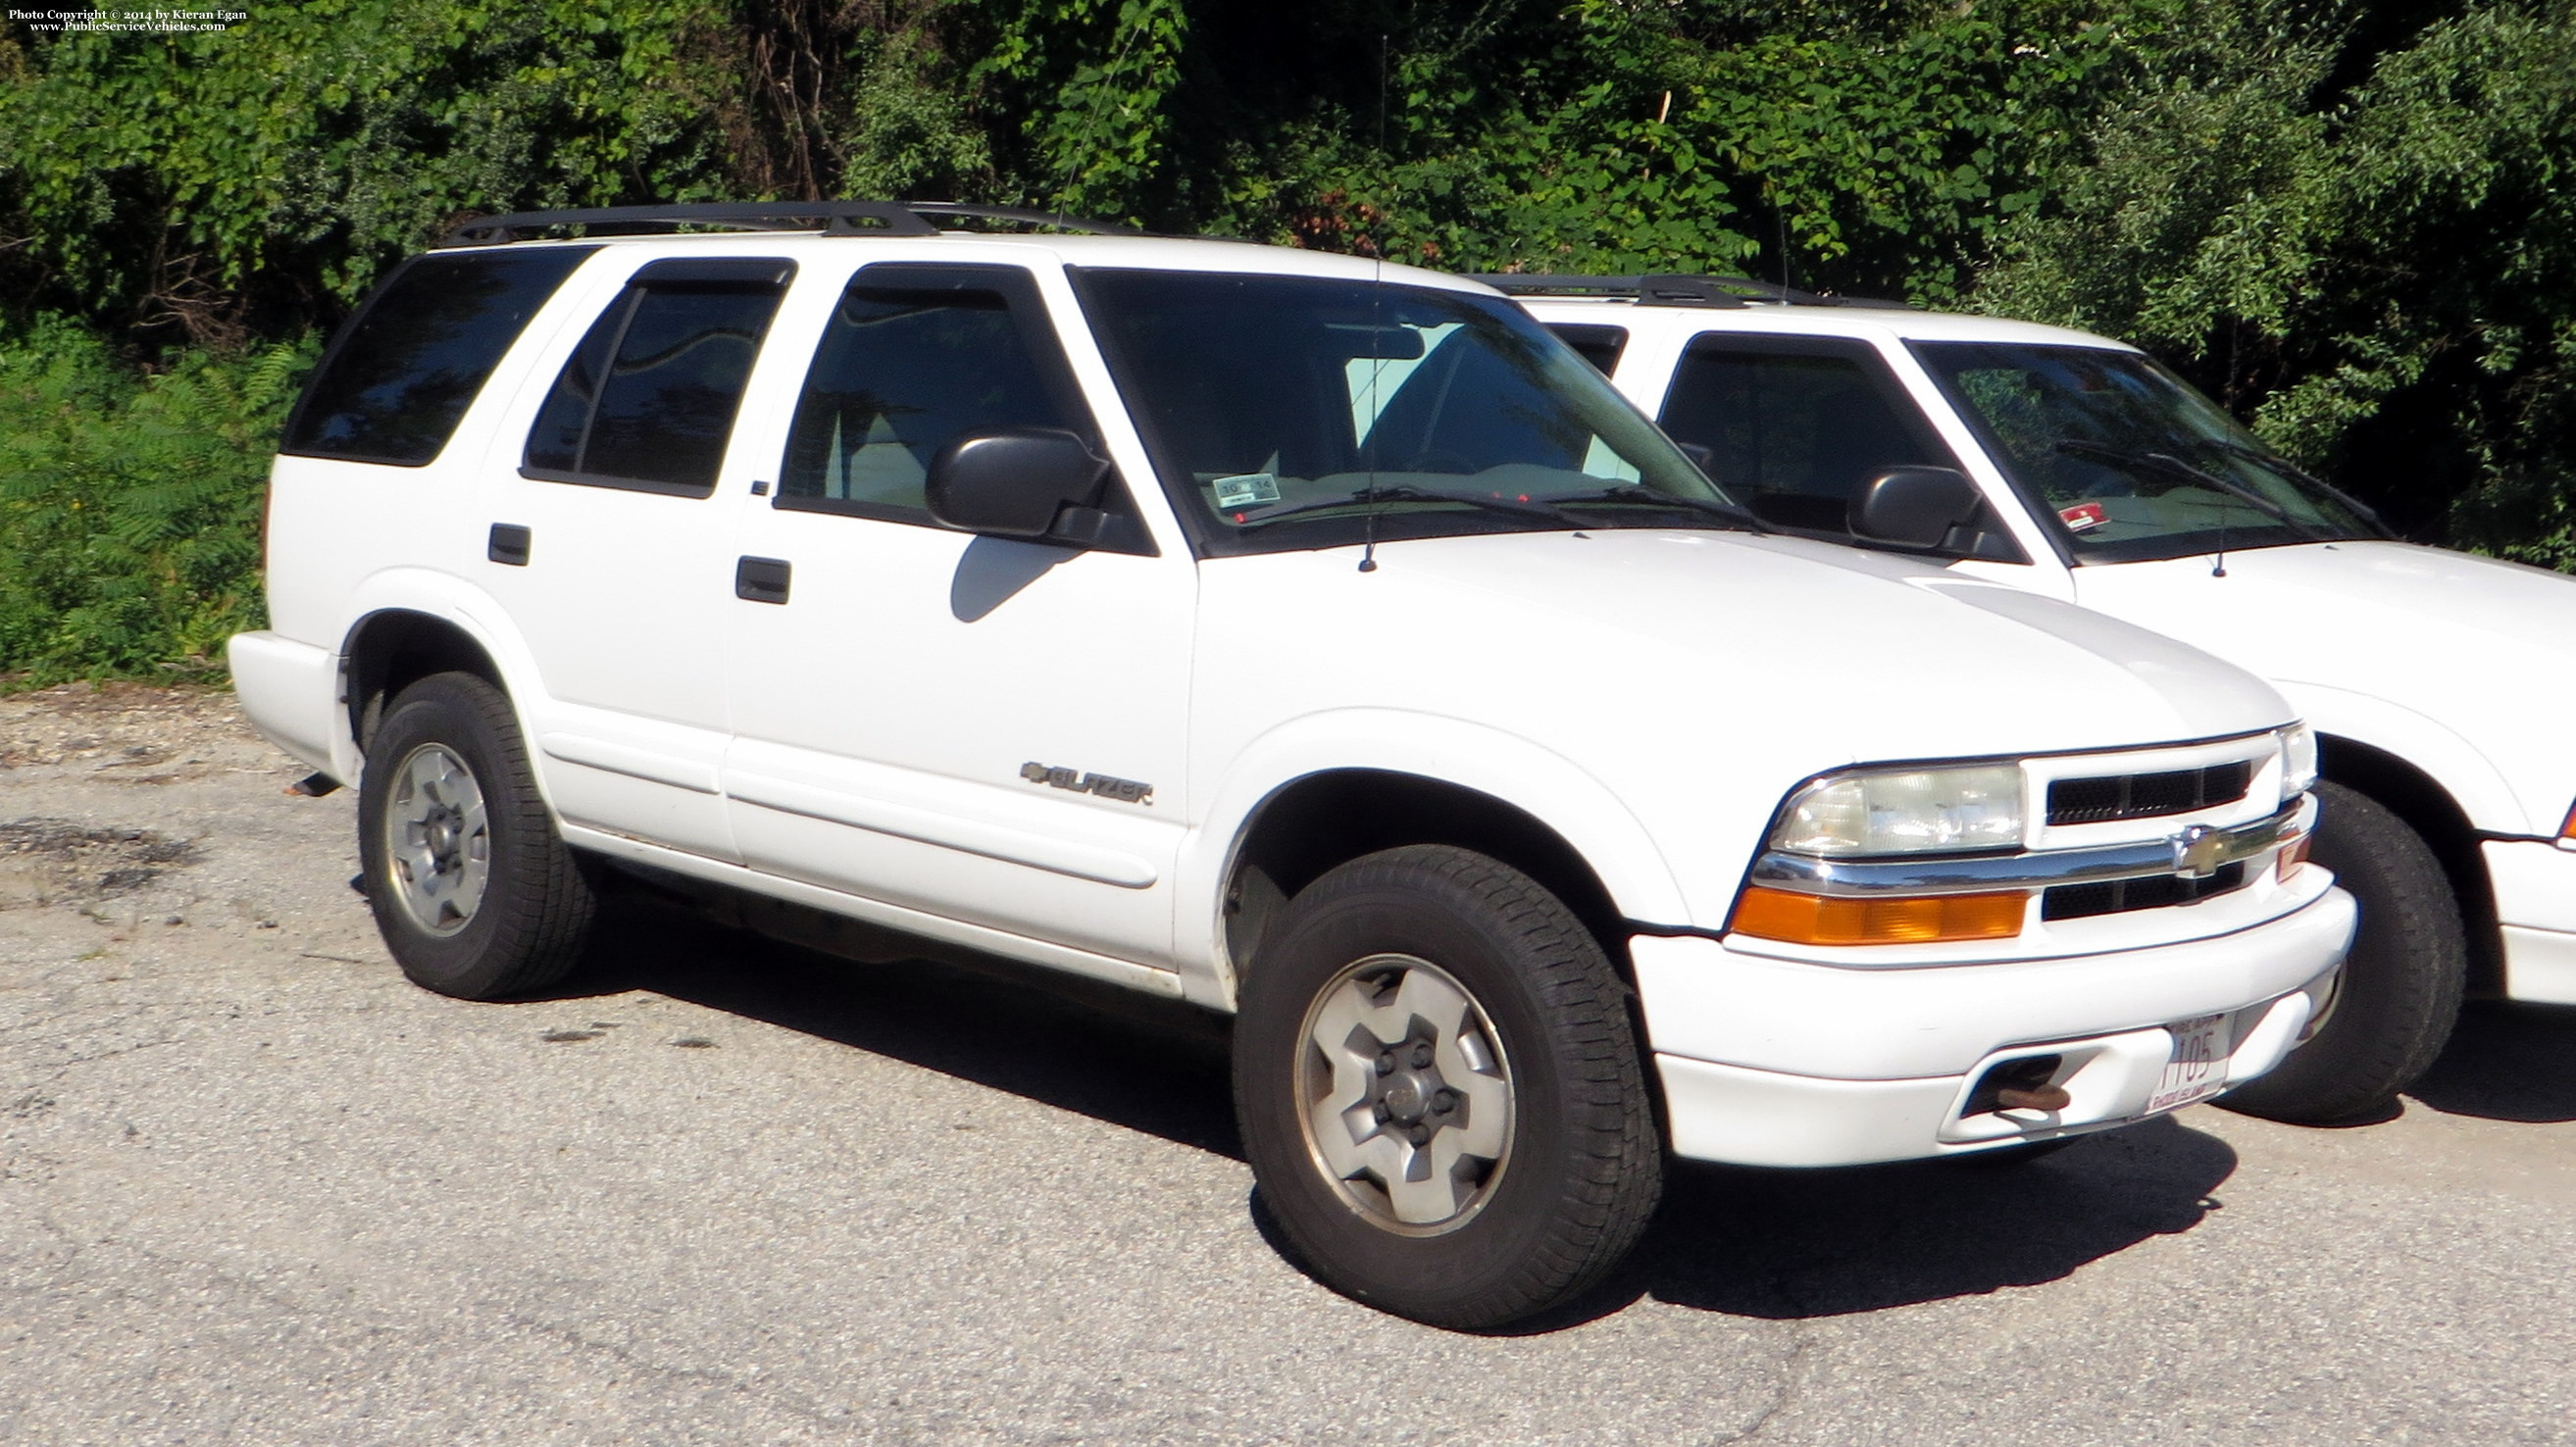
x,y
2083,515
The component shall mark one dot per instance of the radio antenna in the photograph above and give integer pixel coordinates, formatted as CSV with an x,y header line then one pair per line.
x,y
1377,335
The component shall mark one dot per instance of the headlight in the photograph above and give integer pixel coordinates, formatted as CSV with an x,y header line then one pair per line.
x,y
2298,761
1910,811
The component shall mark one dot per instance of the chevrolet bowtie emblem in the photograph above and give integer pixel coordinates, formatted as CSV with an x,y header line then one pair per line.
x,y
2198,851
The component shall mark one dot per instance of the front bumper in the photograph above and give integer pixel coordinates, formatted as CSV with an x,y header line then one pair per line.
x,y
1775,1062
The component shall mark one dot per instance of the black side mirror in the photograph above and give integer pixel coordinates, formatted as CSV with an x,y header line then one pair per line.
x,y
1917,507
1023,482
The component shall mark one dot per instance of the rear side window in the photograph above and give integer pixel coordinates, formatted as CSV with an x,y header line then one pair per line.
x,y
647,401
398,381
1794,427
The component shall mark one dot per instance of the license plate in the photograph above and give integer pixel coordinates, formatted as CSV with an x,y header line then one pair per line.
x,y
2198,1069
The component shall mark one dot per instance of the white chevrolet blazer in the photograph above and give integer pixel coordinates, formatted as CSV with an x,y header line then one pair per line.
x,y
2439,683
1318,641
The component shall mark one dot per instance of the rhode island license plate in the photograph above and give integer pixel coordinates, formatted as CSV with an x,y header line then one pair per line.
x,y
2198,1069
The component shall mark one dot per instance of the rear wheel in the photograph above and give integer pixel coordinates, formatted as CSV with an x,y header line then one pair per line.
x,y
473,891
2388,1013
1439,1090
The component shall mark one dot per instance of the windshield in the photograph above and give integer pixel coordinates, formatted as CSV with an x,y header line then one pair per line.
x,y
2128,460
1284,411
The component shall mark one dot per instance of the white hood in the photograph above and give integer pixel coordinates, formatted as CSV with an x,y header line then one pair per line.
x,y
1855,655
1697,676
2484,649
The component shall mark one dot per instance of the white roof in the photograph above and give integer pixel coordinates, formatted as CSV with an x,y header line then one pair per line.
x,y
1158,253
1822,321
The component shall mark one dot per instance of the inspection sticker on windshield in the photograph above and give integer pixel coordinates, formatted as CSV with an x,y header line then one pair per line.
x,y
2083,515
1246,489
2197,1069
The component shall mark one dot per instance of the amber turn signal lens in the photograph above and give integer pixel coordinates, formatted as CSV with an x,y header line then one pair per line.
x,y
1814,919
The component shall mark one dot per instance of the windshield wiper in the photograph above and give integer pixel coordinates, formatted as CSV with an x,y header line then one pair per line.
x,y
2165,464
2282,467
1636,493
1407,492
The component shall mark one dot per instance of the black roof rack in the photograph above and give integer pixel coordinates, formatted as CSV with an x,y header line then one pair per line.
x,y
1672,290
832,218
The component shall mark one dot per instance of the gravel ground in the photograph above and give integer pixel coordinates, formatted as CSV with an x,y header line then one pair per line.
x,y
255,1188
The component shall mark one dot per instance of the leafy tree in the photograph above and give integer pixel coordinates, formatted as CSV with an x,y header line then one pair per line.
x,y
2385,278
2346,218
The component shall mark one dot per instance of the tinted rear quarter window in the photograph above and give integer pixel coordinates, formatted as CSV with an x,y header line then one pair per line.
x,y
397,382
648,398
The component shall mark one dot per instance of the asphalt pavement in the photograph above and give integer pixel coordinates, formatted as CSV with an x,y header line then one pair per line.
x,y
256,1188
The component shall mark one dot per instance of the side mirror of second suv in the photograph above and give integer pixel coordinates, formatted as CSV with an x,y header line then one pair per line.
x,y
1036,483
1916,506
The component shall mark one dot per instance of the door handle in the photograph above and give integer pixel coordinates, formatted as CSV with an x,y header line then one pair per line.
x,y
508,545
761,580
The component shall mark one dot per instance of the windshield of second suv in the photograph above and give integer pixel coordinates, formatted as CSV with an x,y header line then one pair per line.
x,y
2126,457
1285,411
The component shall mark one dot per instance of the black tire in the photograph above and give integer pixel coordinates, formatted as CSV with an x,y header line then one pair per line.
x,y
523,927
1580,1168
2399,994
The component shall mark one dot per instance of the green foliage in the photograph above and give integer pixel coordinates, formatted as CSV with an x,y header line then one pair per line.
x,y
1108,69
1864,151
2349,219
907,131
131,504
160,179
2385,280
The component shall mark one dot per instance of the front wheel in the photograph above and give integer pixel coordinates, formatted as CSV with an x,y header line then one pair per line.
x,y
1440,1093
2388,1013
473,891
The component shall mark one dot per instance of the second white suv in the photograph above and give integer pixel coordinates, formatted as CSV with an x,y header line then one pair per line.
x,y
1317,641
2074,466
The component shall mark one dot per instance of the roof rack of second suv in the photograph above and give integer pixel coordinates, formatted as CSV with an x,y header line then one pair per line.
x,y
832,218
1664,289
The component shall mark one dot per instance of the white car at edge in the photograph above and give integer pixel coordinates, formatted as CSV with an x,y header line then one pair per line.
x,y
2439,682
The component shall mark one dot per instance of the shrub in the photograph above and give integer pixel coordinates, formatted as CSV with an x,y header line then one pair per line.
x,y
129,502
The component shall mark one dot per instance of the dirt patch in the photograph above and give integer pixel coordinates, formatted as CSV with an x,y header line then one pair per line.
x,y
49,861
121,732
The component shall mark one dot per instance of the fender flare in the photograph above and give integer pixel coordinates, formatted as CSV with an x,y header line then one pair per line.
x,y
2485,798
447,599
1539,782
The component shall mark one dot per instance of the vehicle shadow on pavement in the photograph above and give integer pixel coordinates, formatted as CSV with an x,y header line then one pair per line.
x,y
1779,1244
2506,1062
1794,1244
1150,1065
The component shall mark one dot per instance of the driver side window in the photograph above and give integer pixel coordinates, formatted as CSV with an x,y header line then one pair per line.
x,y
915,357
1795,427
910,362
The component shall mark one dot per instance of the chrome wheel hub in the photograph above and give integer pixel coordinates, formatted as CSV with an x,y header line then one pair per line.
x,y
438,839
1407,1099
